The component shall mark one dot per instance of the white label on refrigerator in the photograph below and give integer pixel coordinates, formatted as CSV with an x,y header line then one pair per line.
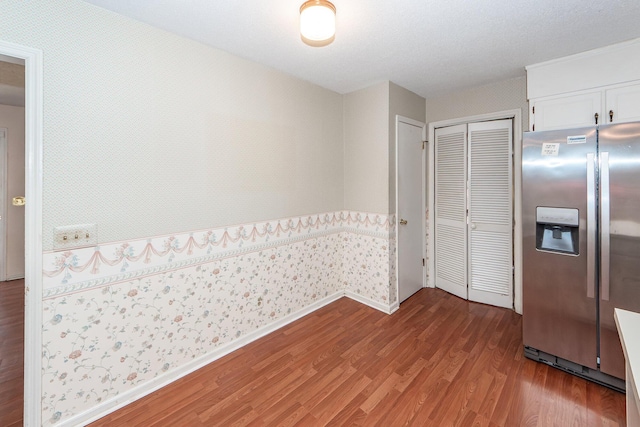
x,y
550,148
577,139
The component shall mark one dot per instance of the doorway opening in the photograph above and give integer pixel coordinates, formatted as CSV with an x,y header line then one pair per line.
x,y
31,287
12,238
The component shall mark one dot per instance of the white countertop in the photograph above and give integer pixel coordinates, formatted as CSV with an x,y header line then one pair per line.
x,y
628,324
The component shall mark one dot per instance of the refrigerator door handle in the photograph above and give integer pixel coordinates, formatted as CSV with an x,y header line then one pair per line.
x,y
604,222
591,225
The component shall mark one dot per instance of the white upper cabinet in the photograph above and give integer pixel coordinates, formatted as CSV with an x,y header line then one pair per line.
x,y
566,111
599,86
623,104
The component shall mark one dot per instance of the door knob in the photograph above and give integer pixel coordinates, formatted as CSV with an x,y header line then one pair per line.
x,y
403,221
18,201
473,226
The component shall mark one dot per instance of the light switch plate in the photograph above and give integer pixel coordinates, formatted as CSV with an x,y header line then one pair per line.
x,y
75,236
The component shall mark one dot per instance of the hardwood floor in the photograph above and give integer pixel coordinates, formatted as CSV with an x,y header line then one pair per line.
x,y
438,361
11,352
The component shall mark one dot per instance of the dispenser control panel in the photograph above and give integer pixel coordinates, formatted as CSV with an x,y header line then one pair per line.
x,y
562,216
557,230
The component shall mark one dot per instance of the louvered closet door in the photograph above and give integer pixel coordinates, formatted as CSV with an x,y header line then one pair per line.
x,y
490,213
450,210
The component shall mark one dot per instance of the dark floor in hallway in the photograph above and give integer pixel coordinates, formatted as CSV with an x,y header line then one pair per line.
x,y
11,352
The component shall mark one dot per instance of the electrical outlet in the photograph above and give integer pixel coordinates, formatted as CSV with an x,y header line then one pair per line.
x,y
75,236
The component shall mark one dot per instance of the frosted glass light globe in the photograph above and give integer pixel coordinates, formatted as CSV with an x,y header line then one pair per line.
x,y
317,22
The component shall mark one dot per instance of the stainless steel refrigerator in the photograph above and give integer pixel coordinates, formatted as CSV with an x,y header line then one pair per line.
x,y
581,237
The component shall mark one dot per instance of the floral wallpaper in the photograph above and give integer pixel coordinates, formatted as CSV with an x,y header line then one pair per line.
x,y
393,276
105,333
366,267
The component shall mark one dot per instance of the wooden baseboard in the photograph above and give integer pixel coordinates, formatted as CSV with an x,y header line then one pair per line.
x,y
385,308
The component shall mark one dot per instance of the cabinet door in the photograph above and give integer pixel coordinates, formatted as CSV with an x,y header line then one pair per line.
x,y
623,104
567,111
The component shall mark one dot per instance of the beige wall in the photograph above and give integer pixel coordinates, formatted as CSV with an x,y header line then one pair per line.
x,y
402,102
370,144
147,133
504,95
366,149
12,118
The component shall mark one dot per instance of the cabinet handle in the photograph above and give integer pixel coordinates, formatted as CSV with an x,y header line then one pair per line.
x,y
610,116
596,117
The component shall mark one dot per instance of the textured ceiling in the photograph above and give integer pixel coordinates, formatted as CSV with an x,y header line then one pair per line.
x,y
428,46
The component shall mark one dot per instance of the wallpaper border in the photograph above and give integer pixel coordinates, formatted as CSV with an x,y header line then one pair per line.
x,y
69,271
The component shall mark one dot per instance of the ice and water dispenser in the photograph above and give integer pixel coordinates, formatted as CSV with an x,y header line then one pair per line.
x,y
557,230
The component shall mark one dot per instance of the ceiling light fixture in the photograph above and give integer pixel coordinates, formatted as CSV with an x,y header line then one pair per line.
x,y
317,22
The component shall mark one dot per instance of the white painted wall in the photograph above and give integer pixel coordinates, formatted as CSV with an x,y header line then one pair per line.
x,y
147,133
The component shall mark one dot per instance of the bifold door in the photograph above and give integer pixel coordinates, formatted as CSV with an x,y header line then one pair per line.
x,y
490,213
451,210
474,211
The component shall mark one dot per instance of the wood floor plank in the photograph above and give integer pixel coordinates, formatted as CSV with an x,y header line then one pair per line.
x,y
602,406
492,397
519,394
282,391
406,409
340,397
382,409
293,417
350,415
578,409
11,352
438,360
410,374
307,420
282,412
380,392
531,408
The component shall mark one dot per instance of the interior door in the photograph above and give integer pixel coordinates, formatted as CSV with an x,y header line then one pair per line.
x,y
490,213
450,216
410,209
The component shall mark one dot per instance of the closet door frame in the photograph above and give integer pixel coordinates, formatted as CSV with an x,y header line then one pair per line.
x,y
516,116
